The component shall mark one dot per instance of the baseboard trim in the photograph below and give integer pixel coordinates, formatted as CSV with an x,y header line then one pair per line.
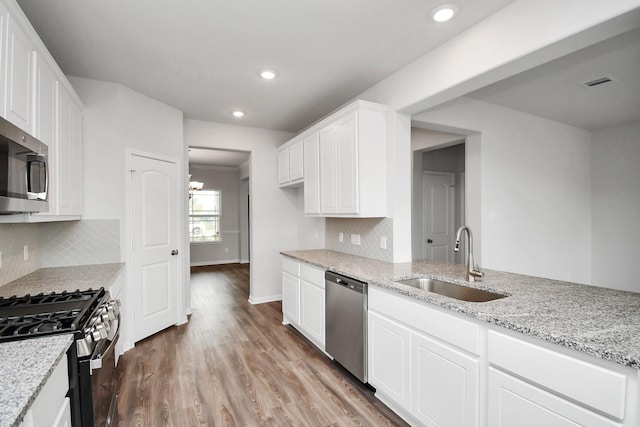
x,y
244,261
262,300
205,263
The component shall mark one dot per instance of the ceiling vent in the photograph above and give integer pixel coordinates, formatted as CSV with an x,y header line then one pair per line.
x,y
598,81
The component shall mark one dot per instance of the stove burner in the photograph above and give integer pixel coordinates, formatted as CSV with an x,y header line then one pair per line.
x,y
37,315
45,327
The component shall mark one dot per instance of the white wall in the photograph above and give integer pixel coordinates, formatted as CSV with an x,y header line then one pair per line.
x,y
520,36
535,185
274,213
616,206
116,119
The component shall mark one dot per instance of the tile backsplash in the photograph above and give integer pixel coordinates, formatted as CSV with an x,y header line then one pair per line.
x,y
57,244
80,242
371,230
13,238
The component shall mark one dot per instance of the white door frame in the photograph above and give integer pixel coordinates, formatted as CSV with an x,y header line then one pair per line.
x,y
180,209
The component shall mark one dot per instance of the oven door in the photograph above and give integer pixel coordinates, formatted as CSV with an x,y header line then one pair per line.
x,y
104,383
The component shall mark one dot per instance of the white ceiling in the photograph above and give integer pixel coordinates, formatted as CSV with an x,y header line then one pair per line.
x,y
203,56
204,156
555,91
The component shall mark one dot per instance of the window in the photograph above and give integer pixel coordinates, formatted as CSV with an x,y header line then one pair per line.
x,y
204,216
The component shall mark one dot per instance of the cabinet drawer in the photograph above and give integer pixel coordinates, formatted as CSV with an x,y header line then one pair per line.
x,y
290,266
311,274
512,400
584,382
452,329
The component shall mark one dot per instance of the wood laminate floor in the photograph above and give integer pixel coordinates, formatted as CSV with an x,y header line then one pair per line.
x,y
235,364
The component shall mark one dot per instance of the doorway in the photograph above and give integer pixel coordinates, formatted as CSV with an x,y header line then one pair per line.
x,y
438,201
225,175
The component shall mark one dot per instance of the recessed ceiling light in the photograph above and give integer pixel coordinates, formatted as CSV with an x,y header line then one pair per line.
x,y
444,13
268,74
238,114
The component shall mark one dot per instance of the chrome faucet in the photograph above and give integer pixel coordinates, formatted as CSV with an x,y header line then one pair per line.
x,y
473,272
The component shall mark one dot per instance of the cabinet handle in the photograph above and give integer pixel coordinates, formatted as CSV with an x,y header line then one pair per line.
x,y
429,241
174,252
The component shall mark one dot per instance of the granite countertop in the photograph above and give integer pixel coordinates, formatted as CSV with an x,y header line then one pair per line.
x,y
58,279
601,322
25,367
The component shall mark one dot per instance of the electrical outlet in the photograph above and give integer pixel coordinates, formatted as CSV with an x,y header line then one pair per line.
x,y
383,242
341,237
0,259
226,250
355,239
25,251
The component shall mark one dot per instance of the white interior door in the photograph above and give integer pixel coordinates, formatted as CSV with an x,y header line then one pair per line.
x,y
438,215
154,213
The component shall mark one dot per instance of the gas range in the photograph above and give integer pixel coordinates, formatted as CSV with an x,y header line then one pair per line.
x,y
93,319
90,314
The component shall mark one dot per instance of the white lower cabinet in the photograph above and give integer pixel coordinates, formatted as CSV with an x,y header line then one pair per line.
x,y
413,370
303,299
389,346
436,368
51,407
312,311
445,384
516,403
290,298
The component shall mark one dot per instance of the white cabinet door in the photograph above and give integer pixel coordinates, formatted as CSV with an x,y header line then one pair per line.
x,y
64,416
283,166
4,17
312,174
20,56
328,167
445,384
296,161
516,403
312,312
46,107
70,178
389,359
346,150
290,298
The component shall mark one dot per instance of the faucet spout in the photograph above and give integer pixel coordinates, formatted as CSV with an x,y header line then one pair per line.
x,y
473,272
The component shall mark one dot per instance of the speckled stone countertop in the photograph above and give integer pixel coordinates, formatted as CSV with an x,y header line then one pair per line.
x,y
58,279
601,322
25,367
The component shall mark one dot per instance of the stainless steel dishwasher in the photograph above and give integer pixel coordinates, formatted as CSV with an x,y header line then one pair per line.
x,y
346,322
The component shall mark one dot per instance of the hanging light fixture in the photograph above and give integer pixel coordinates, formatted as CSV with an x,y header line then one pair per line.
x,y
195,185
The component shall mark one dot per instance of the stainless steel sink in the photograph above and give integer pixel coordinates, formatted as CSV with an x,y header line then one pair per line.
x,y
459,292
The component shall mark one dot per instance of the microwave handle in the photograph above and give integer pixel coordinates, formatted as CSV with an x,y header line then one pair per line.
x,y
37,158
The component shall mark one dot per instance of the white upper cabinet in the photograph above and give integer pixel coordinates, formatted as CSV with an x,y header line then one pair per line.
x,y
353,162
18,105
46,125
70,197
290,164
344,159
37,97
312,174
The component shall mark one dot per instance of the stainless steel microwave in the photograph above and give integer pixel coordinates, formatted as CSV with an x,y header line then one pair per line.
x,y
23,171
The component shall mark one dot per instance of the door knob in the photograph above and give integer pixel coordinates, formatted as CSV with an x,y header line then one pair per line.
x,y
174,252
429,241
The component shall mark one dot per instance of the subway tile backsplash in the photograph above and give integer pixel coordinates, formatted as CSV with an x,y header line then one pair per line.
x,y
370,231
57,244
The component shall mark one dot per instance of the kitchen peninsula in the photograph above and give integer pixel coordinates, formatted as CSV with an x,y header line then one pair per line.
x,y
570,348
